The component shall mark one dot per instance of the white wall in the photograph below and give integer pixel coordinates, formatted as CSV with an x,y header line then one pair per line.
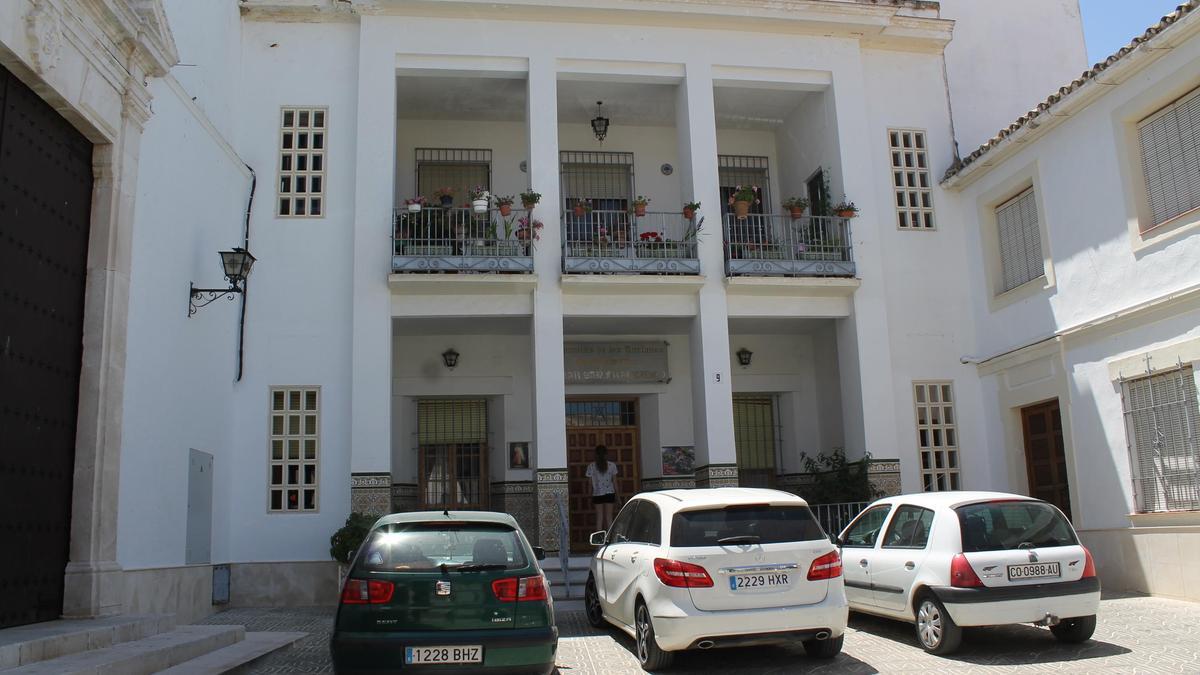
x,y
808,140
208,37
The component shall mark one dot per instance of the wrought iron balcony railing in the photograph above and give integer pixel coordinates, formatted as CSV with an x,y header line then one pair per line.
x,y
460,240
620,242
777,244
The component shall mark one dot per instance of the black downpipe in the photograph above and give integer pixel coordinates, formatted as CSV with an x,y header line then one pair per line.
x,y
246,283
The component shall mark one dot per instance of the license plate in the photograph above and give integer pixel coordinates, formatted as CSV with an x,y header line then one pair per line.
x,y
1034,571
455,654
760,582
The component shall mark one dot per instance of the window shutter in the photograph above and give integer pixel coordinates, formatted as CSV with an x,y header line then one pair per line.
x,y
1020,241
1170,144
446,421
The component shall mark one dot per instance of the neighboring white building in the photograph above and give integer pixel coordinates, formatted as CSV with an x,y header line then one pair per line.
x,y
381,360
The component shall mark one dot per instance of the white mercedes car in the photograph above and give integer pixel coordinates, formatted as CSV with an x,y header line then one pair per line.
x,y
722,567
944,560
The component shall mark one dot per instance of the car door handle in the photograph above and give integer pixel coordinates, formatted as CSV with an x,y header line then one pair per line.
x,y
910,565
862,563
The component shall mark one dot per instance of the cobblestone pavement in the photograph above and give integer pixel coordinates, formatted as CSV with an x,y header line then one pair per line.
x,y
1135,634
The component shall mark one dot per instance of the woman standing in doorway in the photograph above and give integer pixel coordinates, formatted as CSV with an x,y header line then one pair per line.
x,y
603,475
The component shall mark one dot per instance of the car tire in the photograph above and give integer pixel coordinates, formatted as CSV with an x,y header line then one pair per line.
x,y
1076,629
824,649
936,631
591,604
649,655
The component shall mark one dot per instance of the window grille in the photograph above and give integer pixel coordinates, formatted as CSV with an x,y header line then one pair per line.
x,y
1163,432
606,180
1020,241
302,151
911,179
937,436
601,413
735,170
457,168
1170,145
294,444
756,440
452,448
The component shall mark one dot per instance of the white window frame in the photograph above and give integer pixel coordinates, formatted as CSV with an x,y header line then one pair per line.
x,y
1159,473
938,457
1181,204
301,148
282,436
1021,212
911,179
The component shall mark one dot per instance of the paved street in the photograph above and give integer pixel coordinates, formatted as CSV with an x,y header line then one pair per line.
x,y
1135,634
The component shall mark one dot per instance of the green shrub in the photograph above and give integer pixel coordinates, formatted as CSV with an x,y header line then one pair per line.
x,y
345,542
836,480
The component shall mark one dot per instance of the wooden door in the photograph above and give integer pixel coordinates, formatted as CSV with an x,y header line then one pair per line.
x,y
623,450
1045,456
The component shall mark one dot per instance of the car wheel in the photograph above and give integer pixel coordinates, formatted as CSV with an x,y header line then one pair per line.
x,y
824,649
936,631
648,652
591,604
1076,629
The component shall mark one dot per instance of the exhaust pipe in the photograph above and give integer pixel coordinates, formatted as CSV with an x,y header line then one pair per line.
x,y
705,644
823,635
1048,620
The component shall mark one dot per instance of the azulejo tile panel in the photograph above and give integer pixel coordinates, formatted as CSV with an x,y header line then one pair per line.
x,y
551,493
717,475
404,497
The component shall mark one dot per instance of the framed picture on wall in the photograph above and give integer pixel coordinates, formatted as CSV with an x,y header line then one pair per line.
x,y
518,455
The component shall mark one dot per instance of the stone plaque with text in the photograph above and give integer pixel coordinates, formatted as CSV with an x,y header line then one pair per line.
x,y
616,362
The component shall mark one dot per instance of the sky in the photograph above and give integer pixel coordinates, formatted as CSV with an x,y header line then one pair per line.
x,y
1109,25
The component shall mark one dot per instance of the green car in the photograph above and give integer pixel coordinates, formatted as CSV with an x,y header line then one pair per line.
x,y
449,591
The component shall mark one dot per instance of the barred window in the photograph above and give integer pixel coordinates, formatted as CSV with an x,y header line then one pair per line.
x,y
1163,431
937,436
735,170
1020,241
302,151
452,453
294,445
459,169
911,181
755,439
1170,145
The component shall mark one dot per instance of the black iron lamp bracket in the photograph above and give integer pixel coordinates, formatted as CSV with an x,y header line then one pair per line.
x,y
202,297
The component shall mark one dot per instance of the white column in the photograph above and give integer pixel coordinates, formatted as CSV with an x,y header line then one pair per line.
x,y
371,357
712,395
549,381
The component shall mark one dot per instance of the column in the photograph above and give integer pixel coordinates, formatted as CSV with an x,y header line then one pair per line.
x,y
712,395
549,381
371,355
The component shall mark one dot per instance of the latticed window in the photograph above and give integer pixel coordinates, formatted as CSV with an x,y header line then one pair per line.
x,y
1020,241
911,181
294,445
452,447
459,169
1170,144
755,438
302,151
937,436
1161,423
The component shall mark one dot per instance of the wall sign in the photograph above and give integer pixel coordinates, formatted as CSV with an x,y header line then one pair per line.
x,y
616,362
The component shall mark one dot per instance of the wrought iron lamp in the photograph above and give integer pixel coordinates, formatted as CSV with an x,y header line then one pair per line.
x,y
744,356
450,358
236,264
599,123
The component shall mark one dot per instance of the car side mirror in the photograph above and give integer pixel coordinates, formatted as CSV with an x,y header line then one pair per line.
x,y
539,552
598,538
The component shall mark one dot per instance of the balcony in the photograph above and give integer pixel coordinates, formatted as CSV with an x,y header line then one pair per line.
x,y
460,240
620,242
780,245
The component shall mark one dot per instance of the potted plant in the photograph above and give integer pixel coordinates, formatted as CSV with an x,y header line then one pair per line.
x,y
445,195
528,230
504,204
795,206
415,204
639,205
480,199
529,199
845,208
690,209
742,198
581,207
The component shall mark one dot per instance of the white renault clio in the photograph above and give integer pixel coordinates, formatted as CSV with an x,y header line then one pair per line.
x,y
944,560
722,567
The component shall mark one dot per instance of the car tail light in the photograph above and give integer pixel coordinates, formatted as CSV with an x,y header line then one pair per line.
x,y
364,592
828,566
678,574
962,574
519,589
1089,565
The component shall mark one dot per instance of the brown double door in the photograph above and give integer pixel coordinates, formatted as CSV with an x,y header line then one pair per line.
x,y
1045,454
613,424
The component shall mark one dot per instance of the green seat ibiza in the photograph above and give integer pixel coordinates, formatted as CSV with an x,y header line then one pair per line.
x,y
448,591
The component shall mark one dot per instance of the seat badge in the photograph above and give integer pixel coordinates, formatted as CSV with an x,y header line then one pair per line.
x,y
442,588
1033,556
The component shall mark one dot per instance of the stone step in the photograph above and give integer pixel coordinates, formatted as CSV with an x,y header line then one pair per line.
x,y
255,646
139,657
25,645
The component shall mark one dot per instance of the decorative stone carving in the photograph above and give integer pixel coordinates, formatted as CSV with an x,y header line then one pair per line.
x,y
43,26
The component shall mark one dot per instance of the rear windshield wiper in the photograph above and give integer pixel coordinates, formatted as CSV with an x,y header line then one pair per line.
x,y
479,567
740,539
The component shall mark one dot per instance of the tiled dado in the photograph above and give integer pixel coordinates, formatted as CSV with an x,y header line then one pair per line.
x,y
404,497
668,483
371,493
551,493
884,475
517,499
717,475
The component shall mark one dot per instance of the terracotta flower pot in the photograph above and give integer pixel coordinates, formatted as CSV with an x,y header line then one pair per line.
x,y
741,208
528,205
796,211
579,211
505,210
846,213
689,213
639,209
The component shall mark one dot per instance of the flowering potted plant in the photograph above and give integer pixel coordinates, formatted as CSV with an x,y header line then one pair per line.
x,y
845,208
480,199
741,199
651,237
581,207
529,199
445,195
504,204
795,206
639,205
415,204
689,210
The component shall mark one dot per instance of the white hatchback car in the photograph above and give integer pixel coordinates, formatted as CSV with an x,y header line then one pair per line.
x,y
950,559
721,567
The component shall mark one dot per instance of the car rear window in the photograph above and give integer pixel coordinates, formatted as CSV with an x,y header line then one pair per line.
x,y
762,524
423,547
1004,526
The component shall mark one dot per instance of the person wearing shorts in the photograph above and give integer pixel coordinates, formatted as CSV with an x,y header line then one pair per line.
x,y
603,475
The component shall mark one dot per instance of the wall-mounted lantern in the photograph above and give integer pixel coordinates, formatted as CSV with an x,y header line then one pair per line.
x,y
744,355
236,264
450,358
